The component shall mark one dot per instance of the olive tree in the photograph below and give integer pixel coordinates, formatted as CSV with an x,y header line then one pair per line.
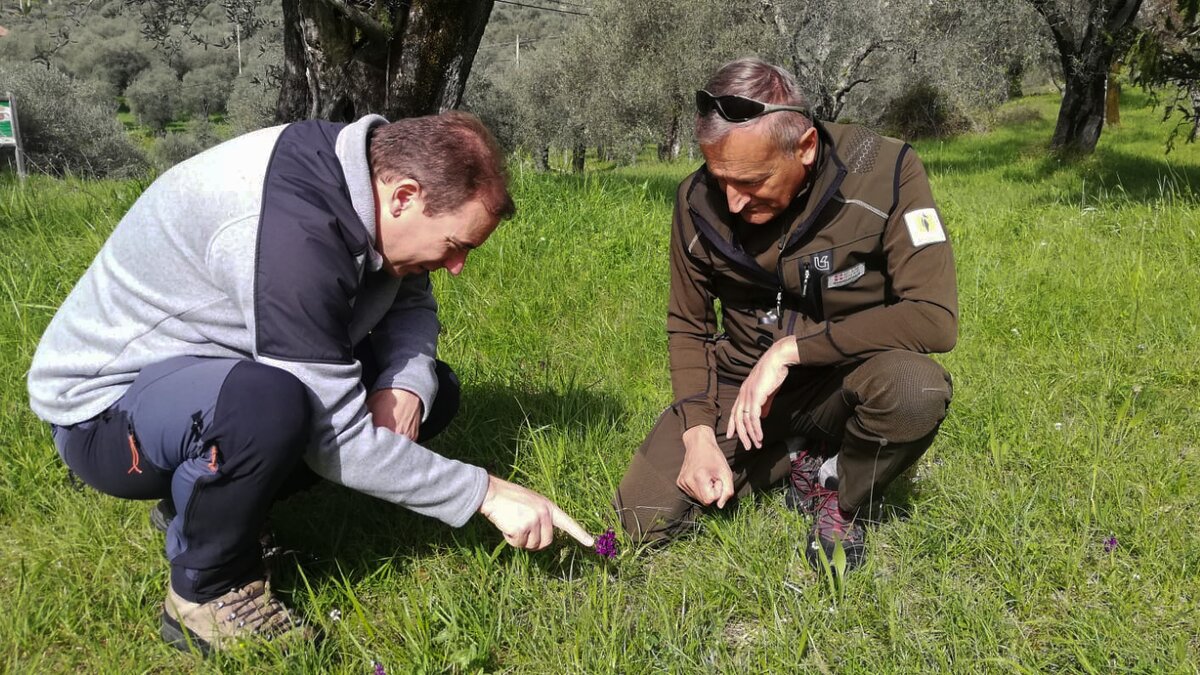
x,y
1088,35
156,97
342,59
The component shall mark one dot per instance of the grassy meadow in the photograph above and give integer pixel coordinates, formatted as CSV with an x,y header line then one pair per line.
x,y
1076,418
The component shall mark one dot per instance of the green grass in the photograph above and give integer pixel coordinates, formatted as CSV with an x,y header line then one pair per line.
x,y
1075,418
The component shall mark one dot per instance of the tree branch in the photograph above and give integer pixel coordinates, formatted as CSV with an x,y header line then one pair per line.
x,y
857,60
1119,15
361,20
1060,28
845,88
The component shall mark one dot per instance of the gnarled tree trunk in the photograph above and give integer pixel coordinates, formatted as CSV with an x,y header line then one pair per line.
x,y
668,149
346,58
578,155
1086,46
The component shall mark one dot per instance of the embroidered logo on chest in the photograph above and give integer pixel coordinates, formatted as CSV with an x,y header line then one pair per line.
x,y
823,261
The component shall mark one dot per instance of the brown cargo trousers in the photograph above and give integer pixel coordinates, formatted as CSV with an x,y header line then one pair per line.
x,y
880,415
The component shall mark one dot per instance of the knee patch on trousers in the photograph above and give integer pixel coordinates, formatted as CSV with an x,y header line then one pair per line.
x,y
267,404
903,396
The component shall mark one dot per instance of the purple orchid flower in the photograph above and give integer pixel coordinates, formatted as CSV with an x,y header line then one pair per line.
x,y
378,668
1110,544
606,544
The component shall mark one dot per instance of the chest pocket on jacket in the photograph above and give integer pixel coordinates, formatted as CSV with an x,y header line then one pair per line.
x,y
856,280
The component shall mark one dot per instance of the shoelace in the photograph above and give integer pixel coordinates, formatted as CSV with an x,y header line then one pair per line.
x,y
828,513
251,606
804,472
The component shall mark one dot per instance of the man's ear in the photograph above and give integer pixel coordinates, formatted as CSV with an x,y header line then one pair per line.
x,y
402,195
806,149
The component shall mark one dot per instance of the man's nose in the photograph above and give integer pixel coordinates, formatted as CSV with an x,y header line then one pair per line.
x,y
736,199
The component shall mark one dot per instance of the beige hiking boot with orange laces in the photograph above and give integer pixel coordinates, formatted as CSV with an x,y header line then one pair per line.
x,y
243,615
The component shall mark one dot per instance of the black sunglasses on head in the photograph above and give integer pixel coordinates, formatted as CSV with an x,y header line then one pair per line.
x,y
733,108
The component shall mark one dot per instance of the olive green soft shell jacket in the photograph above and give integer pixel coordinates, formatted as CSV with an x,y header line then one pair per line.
x,y
860,263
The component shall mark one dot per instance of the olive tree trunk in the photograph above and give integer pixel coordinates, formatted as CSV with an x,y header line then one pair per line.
x,y
346,58
1087,43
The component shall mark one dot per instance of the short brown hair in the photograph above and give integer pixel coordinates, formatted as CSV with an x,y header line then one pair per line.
x,y
761,81
451,155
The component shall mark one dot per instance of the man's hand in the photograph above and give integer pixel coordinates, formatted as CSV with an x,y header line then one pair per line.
x,y
397,409
758,391
526,518
705,474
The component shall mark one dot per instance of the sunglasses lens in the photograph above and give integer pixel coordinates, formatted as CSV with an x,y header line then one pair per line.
x,y
738,109
731,108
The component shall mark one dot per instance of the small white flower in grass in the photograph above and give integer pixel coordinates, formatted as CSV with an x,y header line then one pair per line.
x,y
1137,388
1058,426
335,614
833,610
1015,331
1041,243
1137,577
1142,347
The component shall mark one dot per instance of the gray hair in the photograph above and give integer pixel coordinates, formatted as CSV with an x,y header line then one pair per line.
x,y
761,81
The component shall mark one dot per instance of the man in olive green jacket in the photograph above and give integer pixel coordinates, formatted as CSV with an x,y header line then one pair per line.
x,y
835,278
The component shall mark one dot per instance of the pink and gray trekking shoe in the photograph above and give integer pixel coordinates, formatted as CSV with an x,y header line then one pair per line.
x,y
832,528
802,484
804,481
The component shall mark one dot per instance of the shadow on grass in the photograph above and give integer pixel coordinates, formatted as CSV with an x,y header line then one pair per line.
x,y
899,498
341,533
1144,179
1111,176
979,156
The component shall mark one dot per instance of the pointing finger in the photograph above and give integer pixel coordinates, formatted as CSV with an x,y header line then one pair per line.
x,y
567,524
546,532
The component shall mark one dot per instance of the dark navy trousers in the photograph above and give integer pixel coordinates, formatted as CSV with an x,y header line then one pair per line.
x,y
222,439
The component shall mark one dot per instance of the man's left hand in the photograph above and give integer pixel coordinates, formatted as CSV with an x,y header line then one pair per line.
x,y
755,396
397,409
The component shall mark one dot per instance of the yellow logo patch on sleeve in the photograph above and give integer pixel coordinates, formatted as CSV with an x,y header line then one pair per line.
x,y
924,227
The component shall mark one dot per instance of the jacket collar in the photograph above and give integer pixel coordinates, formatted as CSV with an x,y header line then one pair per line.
x,y
351,150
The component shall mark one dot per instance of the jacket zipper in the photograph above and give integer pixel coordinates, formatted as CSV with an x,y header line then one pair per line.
x,y
779,276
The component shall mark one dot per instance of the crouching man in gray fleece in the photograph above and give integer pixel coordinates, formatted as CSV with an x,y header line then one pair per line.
x,y
266,302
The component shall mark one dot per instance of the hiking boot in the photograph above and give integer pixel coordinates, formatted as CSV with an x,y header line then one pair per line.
x,y
243,615
161,515
802,484
805,478
832,528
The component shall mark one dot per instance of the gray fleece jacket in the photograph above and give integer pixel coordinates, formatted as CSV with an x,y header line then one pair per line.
x,y
263,248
